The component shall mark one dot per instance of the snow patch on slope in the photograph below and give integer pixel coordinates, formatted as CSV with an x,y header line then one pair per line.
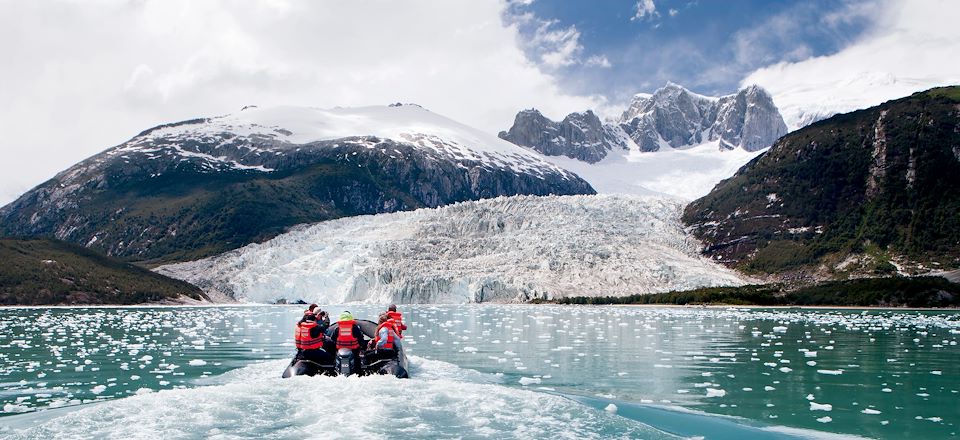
x,y
503,249
688,173
287,127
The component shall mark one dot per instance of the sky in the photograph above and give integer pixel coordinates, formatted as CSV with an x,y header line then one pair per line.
x,y
79,77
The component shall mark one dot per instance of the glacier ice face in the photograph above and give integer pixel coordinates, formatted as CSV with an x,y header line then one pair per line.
x,y
504,249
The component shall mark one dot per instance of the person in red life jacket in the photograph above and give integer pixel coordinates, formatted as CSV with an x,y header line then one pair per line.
x,y
309,338
347,334
397,318
386,337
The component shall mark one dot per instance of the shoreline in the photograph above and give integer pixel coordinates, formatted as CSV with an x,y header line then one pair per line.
x,y
755,306
662,306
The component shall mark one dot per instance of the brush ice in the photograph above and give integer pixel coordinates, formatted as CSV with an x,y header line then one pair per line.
x,y
503,249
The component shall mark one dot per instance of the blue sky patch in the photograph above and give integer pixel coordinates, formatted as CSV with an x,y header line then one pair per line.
x,y
619,47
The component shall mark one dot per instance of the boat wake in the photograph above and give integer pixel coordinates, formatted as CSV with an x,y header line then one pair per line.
x,y
252,402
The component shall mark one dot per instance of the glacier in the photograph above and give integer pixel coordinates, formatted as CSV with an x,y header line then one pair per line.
x,y
505,249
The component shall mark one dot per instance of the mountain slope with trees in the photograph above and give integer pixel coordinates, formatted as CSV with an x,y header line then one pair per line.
x,y
46,272
858,193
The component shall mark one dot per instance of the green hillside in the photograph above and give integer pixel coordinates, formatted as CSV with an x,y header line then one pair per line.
x,y
850,194
45,272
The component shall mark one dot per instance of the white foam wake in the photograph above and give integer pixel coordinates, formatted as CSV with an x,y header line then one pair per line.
x,y
442,400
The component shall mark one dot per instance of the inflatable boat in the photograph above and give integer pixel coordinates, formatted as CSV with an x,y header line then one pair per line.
x,y
332,362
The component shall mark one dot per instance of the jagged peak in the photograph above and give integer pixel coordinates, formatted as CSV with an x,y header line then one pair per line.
x,y
756,90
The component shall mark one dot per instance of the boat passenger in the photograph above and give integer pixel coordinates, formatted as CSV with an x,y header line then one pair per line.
x,y
309,339
397,318
386,335
348,335
323,319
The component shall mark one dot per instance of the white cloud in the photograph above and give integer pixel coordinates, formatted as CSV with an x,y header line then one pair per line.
x,y
80,77
598,60
913,46
645,9
673,12
558,47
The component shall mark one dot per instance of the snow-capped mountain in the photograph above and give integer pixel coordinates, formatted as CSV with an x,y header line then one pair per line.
x,y
676,117
672,117
579,136
698,140
503,249
203,186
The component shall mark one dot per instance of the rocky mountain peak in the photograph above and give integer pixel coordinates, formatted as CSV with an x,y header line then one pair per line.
x,y
671,117
580,135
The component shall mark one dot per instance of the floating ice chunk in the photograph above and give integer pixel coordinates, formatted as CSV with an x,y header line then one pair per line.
x,y
143,391
197,362
825,419
611,408
12,408
714,392
810,354
814,406
936,372
870,411
786,369
98,389
812,363
469,349
780,329
810,397
529,380
887,390
768,388
830,372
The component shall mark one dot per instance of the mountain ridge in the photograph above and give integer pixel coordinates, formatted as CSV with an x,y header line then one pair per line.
x,y
195,188
671,117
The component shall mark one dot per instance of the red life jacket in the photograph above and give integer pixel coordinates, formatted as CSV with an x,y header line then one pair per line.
x,y
397,319
390,330
345,337
302,338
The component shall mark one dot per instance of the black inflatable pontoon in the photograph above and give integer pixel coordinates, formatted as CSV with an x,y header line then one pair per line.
x,y
330,362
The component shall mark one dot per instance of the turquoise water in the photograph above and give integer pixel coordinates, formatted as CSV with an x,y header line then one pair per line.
x,y
487,372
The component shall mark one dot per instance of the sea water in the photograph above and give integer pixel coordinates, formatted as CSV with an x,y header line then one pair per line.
x,y
486,371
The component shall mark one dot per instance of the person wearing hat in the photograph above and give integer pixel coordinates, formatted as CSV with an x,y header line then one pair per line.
x,y
309,339
347,334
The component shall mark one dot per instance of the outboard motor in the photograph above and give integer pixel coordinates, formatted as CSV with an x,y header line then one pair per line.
x,y
345,362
